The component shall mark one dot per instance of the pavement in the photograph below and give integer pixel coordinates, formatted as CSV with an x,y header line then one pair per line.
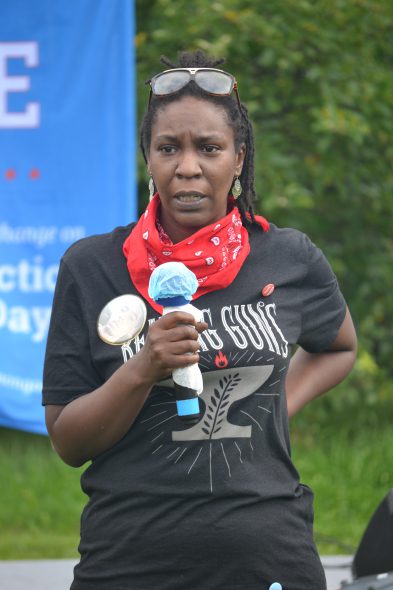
x,y
56,574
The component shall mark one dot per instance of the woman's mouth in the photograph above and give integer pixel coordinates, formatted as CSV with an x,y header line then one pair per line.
x,y
189,198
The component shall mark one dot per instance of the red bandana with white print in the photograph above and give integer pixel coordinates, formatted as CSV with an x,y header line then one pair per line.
x,y
215,253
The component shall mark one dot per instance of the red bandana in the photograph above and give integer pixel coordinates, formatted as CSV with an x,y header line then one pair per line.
x,y
214,253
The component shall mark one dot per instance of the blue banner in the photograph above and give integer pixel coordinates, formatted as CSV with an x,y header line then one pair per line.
x,y
67,165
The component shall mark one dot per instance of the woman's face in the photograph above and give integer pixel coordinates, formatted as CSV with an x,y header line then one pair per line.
x,y
193,162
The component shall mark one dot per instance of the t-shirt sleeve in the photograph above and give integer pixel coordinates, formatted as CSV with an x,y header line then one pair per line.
x,y
68,369
323,305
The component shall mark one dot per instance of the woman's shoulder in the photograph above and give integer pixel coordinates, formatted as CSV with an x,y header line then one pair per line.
x,y
283,241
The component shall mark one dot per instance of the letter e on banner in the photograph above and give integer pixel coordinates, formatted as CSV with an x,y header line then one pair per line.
x,y
30,117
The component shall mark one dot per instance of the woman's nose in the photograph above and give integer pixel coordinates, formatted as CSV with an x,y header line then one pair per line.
x,y
188,164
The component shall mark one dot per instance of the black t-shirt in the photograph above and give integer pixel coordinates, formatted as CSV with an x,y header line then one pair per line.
x,y
217,505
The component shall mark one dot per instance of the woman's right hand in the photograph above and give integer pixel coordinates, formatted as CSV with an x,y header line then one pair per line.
x,y
171,343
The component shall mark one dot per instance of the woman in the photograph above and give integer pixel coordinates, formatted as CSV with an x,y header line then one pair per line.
x,y
217,504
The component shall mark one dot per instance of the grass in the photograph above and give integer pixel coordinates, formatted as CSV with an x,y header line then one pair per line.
x,y
345,456
40,499
348,462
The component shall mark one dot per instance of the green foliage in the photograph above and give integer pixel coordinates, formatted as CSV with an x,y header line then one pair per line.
x,y
346,456
41,500
317,79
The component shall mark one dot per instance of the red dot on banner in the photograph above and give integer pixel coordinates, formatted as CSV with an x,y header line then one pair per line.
x,y
34,173
10,174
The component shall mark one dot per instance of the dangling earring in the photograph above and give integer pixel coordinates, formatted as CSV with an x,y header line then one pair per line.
x,y
152,189
237,188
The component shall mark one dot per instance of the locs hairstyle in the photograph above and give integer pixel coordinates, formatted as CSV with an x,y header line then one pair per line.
x,y
239,121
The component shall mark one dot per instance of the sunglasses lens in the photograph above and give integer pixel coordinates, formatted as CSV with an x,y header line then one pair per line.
x,y
214,82
170,82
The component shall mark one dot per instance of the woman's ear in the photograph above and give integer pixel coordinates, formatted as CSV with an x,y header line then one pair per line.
x,y
241,154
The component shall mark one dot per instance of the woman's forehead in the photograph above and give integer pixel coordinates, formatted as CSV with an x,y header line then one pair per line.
x,y
191,113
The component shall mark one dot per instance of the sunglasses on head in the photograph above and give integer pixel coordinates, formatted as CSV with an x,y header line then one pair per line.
x,y
210,80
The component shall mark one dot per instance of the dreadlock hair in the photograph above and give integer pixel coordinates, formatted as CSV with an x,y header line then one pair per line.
x,y
238,120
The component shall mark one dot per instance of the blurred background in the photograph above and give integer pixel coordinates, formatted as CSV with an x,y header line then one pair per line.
x,y
317,79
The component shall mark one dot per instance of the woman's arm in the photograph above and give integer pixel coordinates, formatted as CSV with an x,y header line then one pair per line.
x,y
311,374
92,423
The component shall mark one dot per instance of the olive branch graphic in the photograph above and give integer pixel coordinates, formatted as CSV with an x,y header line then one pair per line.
x,y
217,408
220,392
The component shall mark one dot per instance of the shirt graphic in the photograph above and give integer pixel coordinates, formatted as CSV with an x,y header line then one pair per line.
x,y
256,347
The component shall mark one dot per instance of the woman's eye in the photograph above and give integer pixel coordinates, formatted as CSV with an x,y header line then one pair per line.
x,y
210,149
167,149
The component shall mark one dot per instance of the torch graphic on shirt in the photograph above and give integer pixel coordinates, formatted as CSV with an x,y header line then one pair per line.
x,y
221,360
172,285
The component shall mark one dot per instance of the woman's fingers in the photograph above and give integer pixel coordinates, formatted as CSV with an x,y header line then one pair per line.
x,y
182,332
167,345
178,347
201,327
172,343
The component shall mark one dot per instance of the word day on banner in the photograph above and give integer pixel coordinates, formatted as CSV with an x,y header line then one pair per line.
x,y
67,166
